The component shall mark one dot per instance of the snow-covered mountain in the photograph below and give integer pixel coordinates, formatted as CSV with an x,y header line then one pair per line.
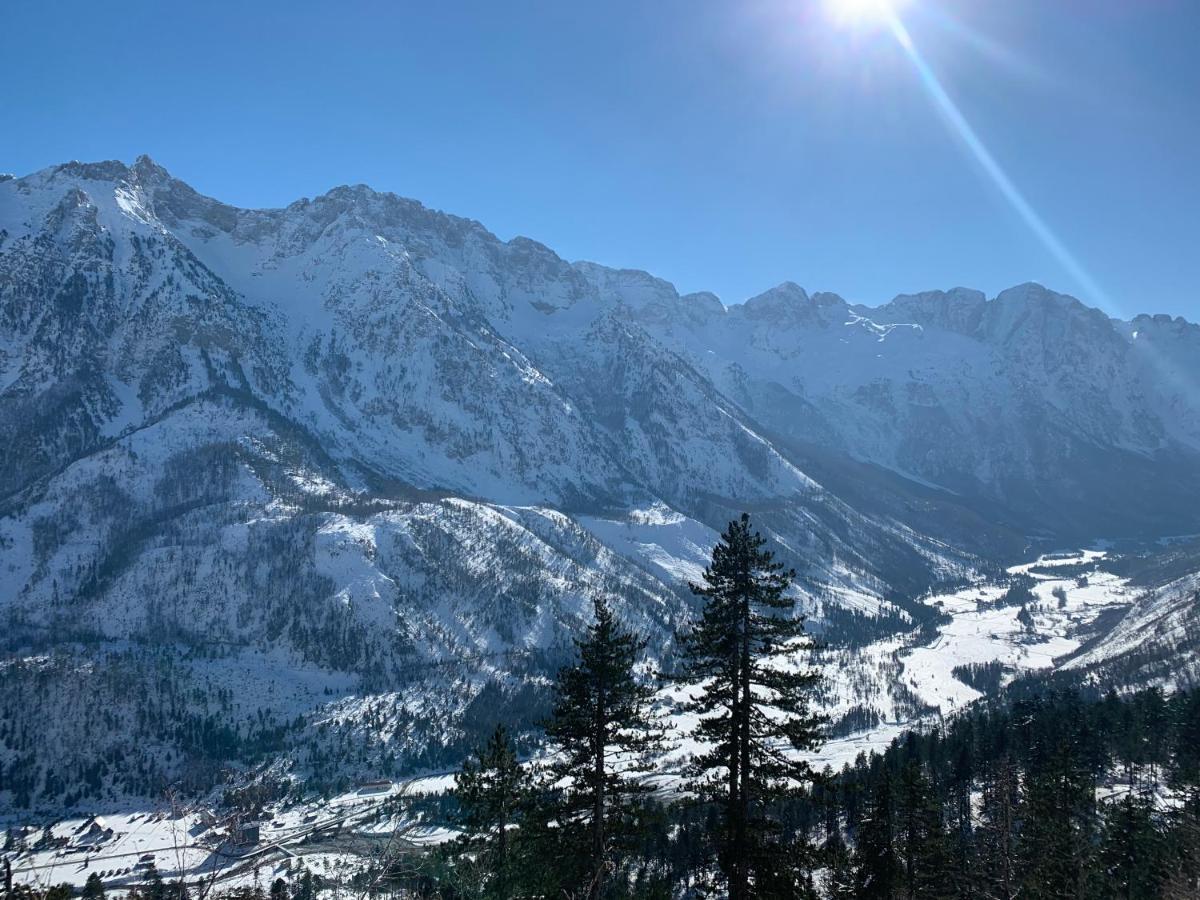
x,y
331,486
1031,408
345,449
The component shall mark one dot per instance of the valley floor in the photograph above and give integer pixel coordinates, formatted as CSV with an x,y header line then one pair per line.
x,y
911,679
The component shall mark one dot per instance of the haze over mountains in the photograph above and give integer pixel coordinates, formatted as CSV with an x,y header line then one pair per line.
x,y
340,479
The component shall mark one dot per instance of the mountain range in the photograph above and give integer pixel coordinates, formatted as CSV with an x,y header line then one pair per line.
x,y
332,485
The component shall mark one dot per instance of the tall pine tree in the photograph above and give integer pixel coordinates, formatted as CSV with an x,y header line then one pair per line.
x,y
1058,827
878,870
997,833
604,732
491,790
93,889
924,847
1132,857
752,702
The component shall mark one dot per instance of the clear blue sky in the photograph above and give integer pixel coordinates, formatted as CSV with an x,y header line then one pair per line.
x,y
725,146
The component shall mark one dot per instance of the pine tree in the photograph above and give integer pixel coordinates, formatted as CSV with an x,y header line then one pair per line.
x,y
93,888
307,888
1183,878
840,880
279,890
1185,775
997,832
1132,856
603,730
1058,828
878,873
154,889
490,792
751,702
835,855
963,849
924,848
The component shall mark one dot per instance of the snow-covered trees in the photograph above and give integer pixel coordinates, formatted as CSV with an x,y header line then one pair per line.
x,y
492,790
602,732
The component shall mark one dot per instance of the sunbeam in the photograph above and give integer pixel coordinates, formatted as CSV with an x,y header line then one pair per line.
x,y
949,109
1179,379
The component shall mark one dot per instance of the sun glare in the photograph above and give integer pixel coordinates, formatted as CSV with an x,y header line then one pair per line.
x,y
862,12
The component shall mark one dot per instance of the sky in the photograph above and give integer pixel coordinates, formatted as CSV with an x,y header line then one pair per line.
x,y
725,146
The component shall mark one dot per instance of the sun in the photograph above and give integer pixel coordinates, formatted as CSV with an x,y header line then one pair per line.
x,y
854,13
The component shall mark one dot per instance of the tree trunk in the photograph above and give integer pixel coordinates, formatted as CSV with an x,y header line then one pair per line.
x,y
502,856
598,803
739,888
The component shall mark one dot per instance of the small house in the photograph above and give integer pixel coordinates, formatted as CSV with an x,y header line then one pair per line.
x,y
246,834
374,787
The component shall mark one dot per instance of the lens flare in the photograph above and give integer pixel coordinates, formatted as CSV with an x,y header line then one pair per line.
x,y
883,15
991,167
859,13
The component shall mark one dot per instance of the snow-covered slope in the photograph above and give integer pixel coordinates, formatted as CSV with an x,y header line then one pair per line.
x,y
1157,640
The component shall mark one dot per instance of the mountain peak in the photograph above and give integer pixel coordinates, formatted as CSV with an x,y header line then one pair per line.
x,y
1031,291
706,302
827,298
105,170
788,289
145,169
1033,298
787,302
958,309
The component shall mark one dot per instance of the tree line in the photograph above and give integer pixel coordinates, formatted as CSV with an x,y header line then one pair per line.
x,y
1061,795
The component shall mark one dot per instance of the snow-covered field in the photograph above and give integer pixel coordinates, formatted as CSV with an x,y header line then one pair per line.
x,y
978,632
323,836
